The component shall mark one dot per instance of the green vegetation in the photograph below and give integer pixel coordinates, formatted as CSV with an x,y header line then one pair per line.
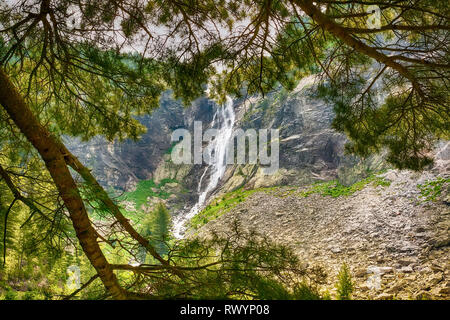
x,y
146,189
92,76
430,190
228,201
335,189
345,284
10,294
241,265
221,205
169,150
31,274
156,227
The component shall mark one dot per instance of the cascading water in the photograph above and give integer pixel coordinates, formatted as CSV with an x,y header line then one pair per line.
x,y
224,118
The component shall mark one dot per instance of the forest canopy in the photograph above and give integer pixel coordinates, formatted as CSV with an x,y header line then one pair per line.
x,y
85,68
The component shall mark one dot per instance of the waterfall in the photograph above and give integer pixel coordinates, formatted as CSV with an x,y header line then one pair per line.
x,y
224,118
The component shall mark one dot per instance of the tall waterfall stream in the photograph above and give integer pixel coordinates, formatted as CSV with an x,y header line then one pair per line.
x,y
224,121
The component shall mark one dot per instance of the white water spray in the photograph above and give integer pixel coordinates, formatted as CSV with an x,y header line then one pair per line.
x,y
225,118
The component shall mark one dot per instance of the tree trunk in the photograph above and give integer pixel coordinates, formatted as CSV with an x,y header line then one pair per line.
x,y
48,148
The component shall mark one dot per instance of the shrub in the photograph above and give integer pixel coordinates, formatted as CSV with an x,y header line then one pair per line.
x,y
31,295
10,294
335,189
345,285
305,292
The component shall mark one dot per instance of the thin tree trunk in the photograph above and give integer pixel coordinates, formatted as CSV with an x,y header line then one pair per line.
x,y
48,148
85,173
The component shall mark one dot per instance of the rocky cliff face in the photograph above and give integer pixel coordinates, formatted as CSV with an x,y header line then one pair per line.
x,y
120,165
309,149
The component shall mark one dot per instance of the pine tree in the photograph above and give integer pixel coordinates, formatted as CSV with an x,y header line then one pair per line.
x,y
156,227
345,285
64,71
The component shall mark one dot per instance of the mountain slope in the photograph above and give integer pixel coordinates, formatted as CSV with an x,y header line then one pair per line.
x,y
385,227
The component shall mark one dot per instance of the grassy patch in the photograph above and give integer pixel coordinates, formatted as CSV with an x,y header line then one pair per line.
x,y
145,189
221,205
335,189
431,189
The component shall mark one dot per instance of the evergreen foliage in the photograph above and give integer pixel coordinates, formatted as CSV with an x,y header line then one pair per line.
x,y
86,68
345,284
156,227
